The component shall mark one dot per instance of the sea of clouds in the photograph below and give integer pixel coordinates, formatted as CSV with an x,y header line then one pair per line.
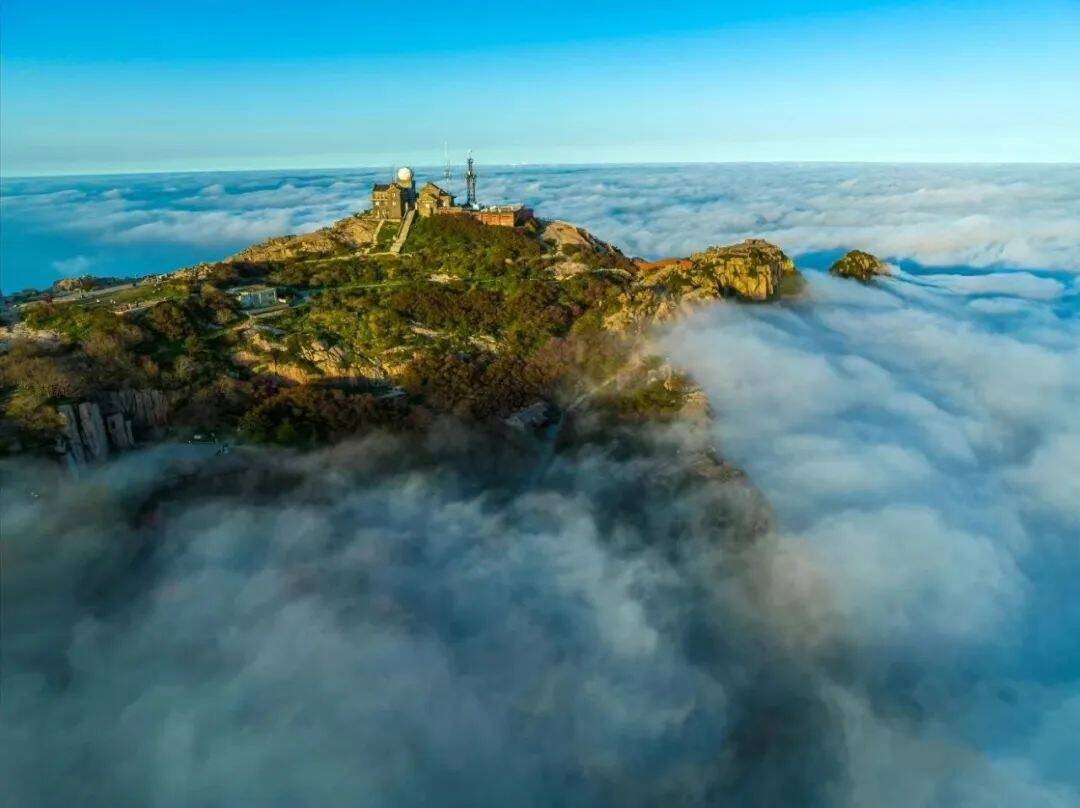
x,y
907,635
919,439
1009,217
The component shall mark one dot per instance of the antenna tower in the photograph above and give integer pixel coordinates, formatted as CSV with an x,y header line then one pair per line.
x,y
470,183
447,174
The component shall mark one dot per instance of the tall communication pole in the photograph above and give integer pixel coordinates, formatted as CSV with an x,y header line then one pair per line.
x,y
447,173
470,183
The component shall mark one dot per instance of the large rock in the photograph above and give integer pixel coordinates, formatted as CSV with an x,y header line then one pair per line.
x,y
147,410
83,437
751,270
72,443
569,239
121,436
346,235
92,429
862,266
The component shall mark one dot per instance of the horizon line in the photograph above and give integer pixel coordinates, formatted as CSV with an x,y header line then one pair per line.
x,y
614,164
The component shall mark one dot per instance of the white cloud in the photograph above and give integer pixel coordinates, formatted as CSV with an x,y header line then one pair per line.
x,y
1012,217
922,454
76,265
917,438
1017,284
981,216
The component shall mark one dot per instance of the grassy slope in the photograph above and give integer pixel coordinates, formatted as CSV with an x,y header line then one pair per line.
x,y
468,320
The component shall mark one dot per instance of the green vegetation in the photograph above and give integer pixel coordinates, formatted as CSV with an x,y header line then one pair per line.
x,y
387,233
141,294
862,266
307,415
470,321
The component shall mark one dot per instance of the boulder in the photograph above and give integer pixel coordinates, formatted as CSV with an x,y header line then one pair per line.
x,y
862,266
563,235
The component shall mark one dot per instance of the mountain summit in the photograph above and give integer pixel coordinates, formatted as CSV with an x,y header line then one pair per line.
x,y
304,339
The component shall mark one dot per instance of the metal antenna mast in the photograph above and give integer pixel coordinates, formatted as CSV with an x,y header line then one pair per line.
x,y
470,183
447,173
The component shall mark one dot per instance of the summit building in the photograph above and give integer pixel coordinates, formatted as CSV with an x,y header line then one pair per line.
x,y
394,200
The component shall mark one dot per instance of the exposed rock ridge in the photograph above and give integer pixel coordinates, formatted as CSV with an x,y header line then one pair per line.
x,y
568,238
345,235
752,270
93,429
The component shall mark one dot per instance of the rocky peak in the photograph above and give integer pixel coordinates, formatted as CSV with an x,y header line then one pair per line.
x,y
752,269
862,266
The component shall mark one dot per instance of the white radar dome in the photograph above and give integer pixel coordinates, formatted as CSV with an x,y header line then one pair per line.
x,y
404,174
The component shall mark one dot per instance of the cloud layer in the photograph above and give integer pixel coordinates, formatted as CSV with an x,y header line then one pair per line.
x,y
1012,217
921,453
362,622
369,620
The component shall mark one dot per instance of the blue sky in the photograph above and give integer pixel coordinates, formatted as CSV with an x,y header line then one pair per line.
x,y
124,86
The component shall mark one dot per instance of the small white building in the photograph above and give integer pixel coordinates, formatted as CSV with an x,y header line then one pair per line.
x,y
256,297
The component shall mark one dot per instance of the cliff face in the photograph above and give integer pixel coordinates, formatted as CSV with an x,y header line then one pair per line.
x,y
110,423
753,270
862,266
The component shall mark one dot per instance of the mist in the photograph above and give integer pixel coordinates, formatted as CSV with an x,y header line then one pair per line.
x,y
372,623
984,216
452,621
456,622
919,441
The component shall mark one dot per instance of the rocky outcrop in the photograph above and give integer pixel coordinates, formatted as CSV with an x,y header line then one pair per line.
x,y
147,410
70,442
345,235
862,266
93,429
21,332
536,415
753,270
568,239
309,361
121,435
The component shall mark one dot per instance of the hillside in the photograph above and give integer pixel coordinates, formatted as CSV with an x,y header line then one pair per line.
x,y
509,327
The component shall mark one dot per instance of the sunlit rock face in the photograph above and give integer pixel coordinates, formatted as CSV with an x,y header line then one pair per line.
x,y
862,266
752,270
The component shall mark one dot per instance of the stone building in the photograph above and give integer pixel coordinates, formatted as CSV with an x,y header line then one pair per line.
x,y
432,199
395,199
503,215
